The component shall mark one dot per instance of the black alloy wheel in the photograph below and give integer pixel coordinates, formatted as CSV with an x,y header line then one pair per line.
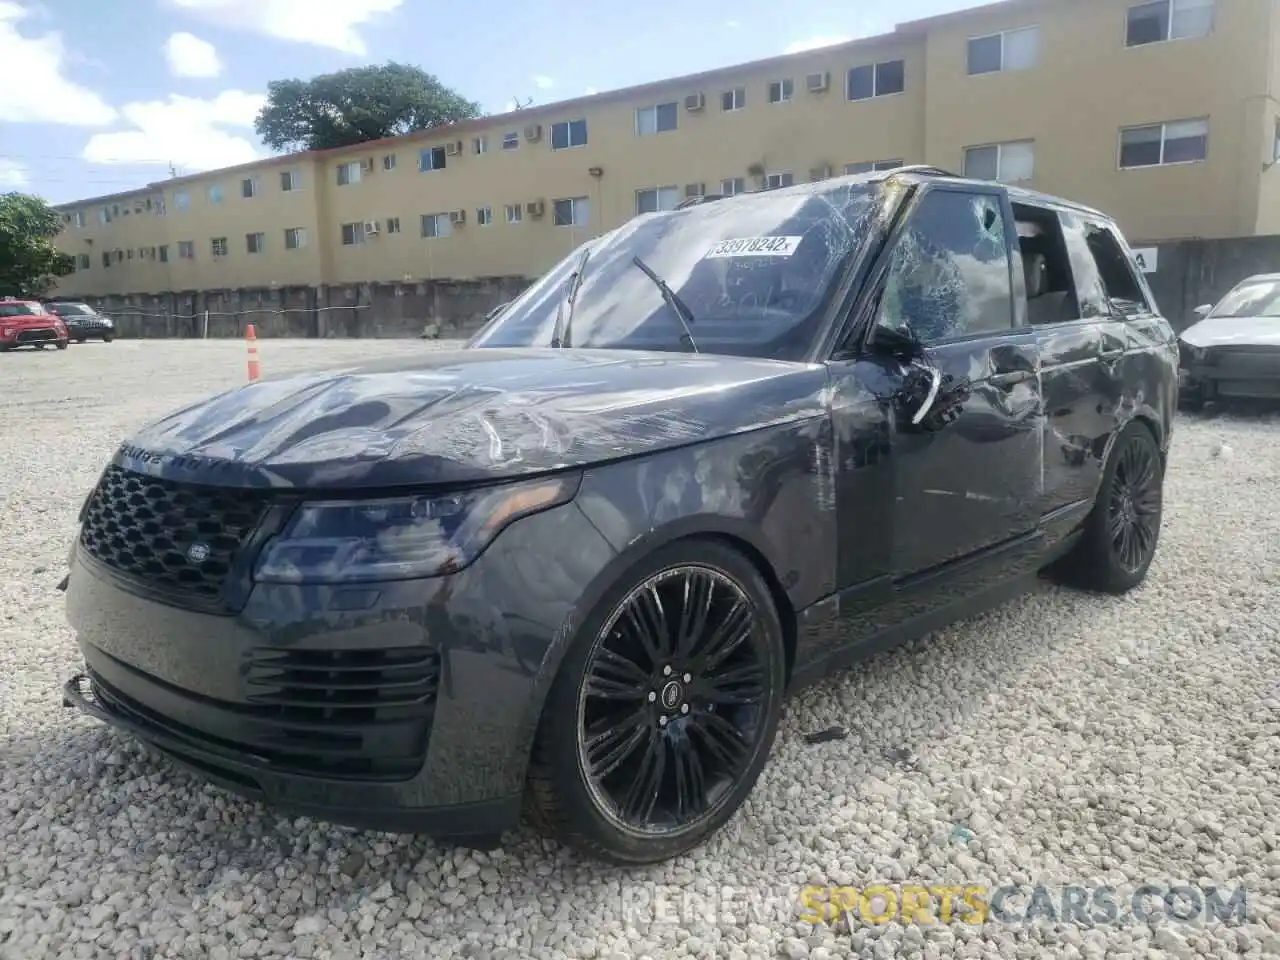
x,y
1120,536
676,694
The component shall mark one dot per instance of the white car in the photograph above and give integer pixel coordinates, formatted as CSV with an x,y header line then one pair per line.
x,y
1233,351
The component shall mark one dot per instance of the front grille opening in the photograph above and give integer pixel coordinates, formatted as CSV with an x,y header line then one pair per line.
x,y
145,528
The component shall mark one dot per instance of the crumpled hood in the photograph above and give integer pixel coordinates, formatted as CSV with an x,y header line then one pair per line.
x,y
1234,331
469,415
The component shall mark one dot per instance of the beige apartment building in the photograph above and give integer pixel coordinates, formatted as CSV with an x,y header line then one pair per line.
x,y
1163,113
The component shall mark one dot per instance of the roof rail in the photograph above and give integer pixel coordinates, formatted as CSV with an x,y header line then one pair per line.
x,y
694,201
925,168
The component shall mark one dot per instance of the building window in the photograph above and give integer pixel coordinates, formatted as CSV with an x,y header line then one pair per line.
x,y
510,141
568,133
572,212
780,91
871,166
77,218
484,216
431,158
295,238
348,173
436,226
389,161
656,119
1012,162
1007,162
479,145
106,261
162,253
733,186
249,188
353,234
215,193
393,224
186,249
129,255
219,246
735,99
255,242
289,181
1275,143
654,199
1168,20
774,181
514,213
82,261
1002,52
1159,144
877,80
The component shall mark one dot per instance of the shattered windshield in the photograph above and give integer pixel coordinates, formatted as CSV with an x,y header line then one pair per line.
x,y
753,273
1259,299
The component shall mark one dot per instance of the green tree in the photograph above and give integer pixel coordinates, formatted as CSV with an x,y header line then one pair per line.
x,y
29,261
356,106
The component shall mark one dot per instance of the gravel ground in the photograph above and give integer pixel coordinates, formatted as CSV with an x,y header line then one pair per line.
x,y
1064,739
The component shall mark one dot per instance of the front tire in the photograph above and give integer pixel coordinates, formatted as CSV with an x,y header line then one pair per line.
x,y
1122,531
107,338
664,710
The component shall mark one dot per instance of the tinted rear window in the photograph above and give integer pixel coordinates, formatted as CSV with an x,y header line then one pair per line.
x,y
18,310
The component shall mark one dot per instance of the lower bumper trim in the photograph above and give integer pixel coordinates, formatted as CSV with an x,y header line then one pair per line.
x,y
479,823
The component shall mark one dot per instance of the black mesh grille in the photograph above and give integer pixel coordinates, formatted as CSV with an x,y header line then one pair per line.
x,y
145,527
346,686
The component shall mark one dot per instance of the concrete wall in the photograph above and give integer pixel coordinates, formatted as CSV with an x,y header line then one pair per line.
x,y
443,308
1192,272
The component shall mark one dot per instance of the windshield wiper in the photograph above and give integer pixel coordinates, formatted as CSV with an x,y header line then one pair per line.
x,y
677,305
564,312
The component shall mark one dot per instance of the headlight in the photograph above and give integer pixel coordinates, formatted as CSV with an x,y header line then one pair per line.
x,y
1190,354
403,538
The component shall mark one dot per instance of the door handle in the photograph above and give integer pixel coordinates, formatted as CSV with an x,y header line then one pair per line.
x,y
1011,378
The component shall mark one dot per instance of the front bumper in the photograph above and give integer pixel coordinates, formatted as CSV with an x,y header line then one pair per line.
x,y
452,764
1251,373
33,335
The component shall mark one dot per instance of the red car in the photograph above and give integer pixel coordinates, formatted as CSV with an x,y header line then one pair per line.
x,y
26,323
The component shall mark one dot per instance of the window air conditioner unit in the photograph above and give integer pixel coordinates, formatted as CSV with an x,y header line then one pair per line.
x,y
533,132
366,166
453,149
818,82
694,102
820,173
534,208
458,217
370,228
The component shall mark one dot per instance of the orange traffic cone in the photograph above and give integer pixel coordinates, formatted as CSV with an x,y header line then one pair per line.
x,y
251,342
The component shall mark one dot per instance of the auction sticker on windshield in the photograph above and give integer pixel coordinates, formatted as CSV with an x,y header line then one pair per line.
x,y
754,247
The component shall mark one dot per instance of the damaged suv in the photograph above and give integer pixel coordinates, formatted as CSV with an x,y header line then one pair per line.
x,y
577,566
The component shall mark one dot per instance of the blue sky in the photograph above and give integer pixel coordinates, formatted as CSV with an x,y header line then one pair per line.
x,y
100,97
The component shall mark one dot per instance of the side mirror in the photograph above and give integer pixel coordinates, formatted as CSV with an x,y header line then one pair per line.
x,y
1202,311
497,310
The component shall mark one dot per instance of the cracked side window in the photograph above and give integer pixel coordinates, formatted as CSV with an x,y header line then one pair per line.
x,y
949,274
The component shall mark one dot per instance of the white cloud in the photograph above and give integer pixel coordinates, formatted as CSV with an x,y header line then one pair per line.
x,y
543,82
13,175
815,43
321,23
35,89
185,131
189,56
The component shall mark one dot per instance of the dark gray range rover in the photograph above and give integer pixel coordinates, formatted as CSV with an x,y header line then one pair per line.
x,y
577,566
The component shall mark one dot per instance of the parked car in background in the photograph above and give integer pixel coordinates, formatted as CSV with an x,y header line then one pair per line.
x,y
83,322
26,323
1233,351
706,459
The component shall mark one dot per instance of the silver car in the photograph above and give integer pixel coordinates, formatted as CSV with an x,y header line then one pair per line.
x,y
1233,350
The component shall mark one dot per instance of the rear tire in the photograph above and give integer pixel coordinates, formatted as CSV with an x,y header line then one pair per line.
x,y
1122,531
107,339
62,344
80,339
678,672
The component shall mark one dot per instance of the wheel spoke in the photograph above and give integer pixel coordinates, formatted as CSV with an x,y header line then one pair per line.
x,y
730,634
649,622
1115,525
741,684
642,795
696,608
690,779
615,677
613,743
722,740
